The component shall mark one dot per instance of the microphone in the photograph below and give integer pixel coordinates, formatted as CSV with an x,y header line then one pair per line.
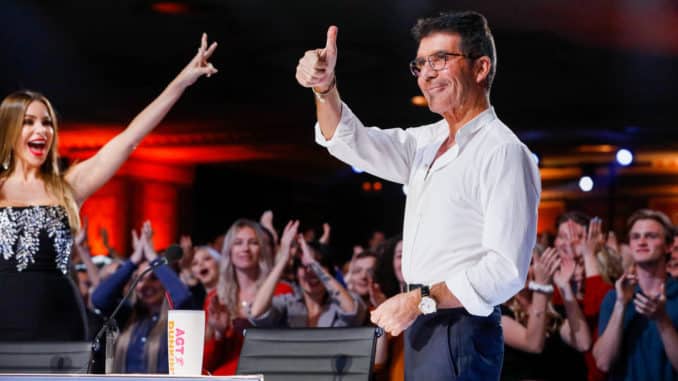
x,y
172,254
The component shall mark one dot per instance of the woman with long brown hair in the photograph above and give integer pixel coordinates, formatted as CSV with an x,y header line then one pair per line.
x,y
39,206
246,260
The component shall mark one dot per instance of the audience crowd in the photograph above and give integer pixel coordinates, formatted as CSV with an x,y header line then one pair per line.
x,y
593,308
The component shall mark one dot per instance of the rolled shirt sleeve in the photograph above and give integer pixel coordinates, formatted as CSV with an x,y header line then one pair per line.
x,y
510,197
386,153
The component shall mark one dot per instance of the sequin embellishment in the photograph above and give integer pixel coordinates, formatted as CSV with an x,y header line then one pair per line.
x,y
20,229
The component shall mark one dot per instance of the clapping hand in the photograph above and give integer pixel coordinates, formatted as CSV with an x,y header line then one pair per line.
x,y
289,233
545,266
138,248
651,306
626,285
147,241
325,237
612,242
266,220
218,318
307,256
594,237
565,272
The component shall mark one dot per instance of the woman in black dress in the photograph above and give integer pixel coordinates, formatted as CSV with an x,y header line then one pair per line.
x,y
39,207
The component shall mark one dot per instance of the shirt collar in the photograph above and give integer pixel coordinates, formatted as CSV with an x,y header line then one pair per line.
x,y
472,126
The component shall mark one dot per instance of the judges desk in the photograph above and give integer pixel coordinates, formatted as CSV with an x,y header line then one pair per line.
x,y
121,377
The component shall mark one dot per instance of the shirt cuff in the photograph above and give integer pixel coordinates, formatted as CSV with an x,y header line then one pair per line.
x,y
343,128
263,320
461,288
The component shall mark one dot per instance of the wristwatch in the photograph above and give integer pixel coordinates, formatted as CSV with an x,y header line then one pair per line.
x,y
427,305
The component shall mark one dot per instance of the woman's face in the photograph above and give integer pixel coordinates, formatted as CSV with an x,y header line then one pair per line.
x,y
37,135
564,238
362,272
397,262
245,249
205,268
309,282
149,290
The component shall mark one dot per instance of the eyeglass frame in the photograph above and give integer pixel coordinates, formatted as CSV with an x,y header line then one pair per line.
x,y
442,54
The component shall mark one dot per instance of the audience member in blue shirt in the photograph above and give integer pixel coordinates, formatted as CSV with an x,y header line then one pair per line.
x,y
141,346
639,341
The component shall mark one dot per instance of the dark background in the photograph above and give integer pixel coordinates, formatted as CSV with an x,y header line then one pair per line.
x,y
569,73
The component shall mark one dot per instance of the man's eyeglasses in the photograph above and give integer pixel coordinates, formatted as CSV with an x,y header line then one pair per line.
x,y
436,61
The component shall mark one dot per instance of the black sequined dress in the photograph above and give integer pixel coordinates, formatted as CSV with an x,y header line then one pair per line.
x,y
38,299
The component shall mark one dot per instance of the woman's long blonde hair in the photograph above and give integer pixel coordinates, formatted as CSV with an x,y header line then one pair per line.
x,y
228,287
12,113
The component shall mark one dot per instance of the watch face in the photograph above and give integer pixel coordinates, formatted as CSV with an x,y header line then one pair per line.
x,y
427,305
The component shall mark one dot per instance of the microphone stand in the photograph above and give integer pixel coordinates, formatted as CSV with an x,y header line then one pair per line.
x,y
110,327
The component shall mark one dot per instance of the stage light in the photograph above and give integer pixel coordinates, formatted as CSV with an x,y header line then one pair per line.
x,y
377,186
357,170
586,183
624,157
170,7
419,100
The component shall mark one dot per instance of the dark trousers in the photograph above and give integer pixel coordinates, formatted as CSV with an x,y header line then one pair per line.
x,y
452,345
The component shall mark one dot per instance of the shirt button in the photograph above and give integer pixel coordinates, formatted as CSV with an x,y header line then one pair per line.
x,y
143,340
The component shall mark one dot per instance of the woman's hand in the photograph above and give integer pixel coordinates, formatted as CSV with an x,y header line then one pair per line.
x,y
266,220
307,256
565,271
138,247
147,241
545,266
594,237
199,65
376,295
218,318
289,233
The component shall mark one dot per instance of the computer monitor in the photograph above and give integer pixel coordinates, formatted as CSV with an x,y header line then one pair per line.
x,y
44,357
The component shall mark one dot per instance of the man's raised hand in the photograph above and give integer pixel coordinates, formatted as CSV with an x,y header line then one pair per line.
x,y
316,67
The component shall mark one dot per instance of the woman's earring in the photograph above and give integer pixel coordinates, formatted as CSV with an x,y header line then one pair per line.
x,y
5,164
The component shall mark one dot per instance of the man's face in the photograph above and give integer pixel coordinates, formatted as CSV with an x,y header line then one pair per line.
x,y
647,243
449,88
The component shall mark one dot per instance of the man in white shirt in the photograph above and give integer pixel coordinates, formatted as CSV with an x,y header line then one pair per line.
x,y
473,193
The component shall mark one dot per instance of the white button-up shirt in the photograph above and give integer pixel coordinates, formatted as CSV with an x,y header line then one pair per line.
x,y
471,217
